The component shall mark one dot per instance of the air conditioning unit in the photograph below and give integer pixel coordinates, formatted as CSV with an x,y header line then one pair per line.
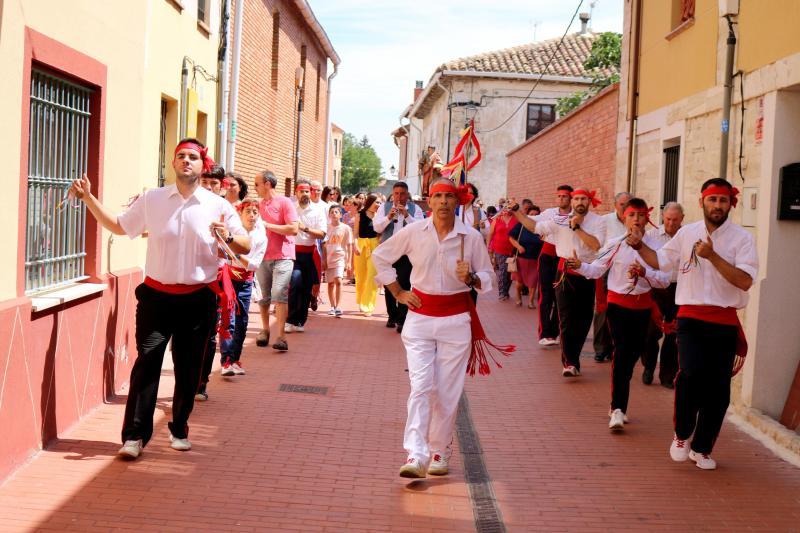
x,y
728,7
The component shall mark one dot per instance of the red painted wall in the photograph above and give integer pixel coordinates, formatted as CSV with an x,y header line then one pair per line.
x,y
579,150
57,365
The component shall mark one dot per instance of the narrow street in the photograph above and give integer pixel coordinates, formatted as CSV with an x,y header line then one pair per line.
x,y
326,459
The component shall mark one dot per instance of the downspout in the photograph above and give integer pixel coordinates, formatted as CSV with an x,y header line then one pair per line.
x,y
726,103
633,104
328,126
411,123
184,97
237,54
223,89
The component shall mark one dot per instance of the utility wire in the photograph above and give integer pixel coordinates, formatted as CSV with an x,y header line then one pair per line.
x,y
546,68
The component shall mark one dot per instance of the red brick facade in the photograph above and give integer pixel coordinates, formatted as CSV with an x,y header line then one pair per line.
x,y
579,150
265,136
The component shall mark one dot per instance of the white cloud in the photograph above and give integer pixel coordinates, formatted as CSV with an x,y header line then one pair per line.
x,y
386,46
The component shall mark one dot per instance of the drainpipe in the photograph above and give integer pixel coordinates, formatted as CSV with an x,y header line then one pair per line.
x,y
223,89
726,103
633,103
328,125
298,87
237,54
184,97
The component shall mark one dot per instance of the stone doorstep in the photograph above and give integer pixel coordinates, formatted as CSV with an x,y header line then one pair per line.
x,y
782,441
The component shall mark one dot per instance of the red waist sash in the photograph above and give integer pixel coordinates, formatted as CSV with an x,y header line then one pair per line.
x,y
311,250
562,263
639,301
548,248
720,315
304,249
441,305
173,288
241,274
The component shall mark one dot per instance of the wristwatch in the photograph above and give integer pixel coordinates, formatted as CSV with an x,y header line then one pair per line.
x,y
473,279
229,239
576,227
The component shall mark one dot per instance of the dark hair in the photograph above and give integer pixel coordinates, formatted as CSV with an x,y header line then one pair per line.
x,y
328,190
269,177
334,206
565,188
400,185
491,211
474,191
535,207
216,173
716,182
241,182
527,201
191,140
368,202
636,203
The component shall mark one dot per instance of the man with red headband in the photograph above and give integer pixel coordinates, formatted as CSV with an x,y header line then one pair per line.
x,y
629,303
438,334
548,268
186,226
717,262
581,235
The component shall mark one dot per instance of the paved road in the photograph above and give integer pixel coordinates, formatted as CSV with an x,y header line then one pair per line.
x,y
271,460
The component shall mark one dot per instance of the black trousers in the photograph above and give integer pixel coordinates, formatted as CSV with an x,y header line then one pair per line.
x,y
665,299
397,312
628,332
304,277
575,299
706,352
209,353
602,334
186,318
548,312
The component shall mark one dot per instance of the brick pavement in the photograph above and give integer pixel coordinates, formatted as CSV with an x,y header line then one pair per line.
x,y
266,460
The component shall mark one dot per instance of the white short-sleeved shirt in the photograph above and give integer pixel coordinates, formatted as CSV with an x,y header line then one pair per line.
x,y
434,262
623,257
614,226
258,246
180,247
311,216
567,241
703,284
658,237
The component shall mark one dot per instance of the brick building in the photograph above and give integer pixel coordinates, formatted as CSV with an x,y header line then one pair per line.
x,y
579,149
277,37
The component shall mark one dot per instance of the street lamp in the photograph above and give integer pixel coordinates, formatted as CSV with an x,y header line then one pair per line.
x,y
393,172
298,88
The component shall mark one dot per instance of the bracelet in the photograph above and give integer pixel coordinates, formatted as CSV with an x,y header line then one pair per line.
x,y
576,227
229,239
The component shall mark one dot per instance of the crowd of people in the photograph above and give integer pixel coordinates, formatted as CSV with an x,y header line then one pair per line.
x,y
670,293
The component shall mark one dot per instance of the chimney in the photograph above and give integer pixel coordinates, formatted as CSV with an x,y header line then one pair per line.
x,y
584,22
417,90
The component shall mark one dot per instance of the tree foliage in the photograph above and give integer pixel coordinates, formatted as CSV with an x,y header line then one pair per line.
x,y
606,53
361,166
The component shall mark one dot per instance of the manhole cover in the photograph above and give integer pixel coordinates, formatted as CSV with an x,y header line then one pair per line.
x,y
304,389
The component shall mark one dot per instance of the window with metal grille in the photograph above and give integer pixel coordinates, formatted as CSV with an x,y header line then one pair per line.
x,y
539,117
58,147
671,158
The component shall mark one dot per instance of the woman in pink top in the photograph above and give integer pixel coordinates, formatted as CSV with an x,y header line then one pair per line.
x,y
500,249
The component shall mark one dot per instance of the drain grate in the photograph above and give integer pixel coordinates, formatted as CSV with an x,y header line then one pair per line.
x,y
484,504
303,389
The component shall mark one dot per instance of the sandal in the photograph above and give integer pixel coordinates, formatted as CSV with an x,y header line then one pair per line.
x,y
531,306
518,302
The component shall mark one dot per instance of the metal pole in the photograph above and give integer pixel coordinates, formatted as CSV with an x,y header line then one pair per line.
x,y
726,103
184,97
297,140
328,127
237,54
223,89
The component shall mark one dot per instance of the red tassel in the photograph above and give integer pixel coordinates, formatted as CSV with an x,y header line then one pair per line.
x,y
227,301
483,348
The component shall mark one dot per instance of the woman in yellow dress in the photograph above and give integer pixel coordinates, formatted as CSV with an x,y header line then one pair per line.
x,y
366,288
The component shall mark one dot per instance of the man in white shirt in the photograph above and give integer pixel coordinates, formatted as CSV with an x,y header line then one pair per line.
x,y
312,226
580,236
629,304
672,215
548,268
323,206
393,216
437,336
615,227
717,263
177,299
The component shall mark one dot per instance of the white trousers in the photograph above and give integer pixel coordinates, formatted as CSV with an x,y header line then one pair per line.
x,y
438,351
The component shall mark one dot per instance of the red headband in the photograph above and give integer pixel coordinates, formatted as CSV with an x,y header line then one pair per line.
x,y
590,194
463,192
644,210
207,161
227,182
303,187
244,204
722,190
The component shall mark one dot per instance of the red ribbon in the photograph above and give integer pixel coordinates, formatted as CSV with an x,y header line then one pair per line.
x,y
207,161
722,190
590,194
644,210
462,192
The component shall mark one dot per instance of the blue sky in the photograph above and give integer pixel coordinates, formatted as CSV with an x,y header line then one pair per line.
x,y
386,45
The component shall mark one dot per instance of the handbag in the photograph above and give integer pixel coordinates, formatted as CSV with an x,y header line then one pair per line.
x,y
511,262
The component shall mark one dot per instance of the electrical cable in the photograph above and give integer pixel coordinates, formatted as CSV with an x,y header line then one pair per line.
x,y
541,75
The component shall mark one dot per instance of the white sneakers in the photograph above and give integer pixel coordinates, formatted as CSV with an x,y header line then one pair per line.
x,y
438,465
332,312
338,313
131,449
237,369
617,421
226,370
182,445
548,342
412,469
679,449
291,328
570,372
703,460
